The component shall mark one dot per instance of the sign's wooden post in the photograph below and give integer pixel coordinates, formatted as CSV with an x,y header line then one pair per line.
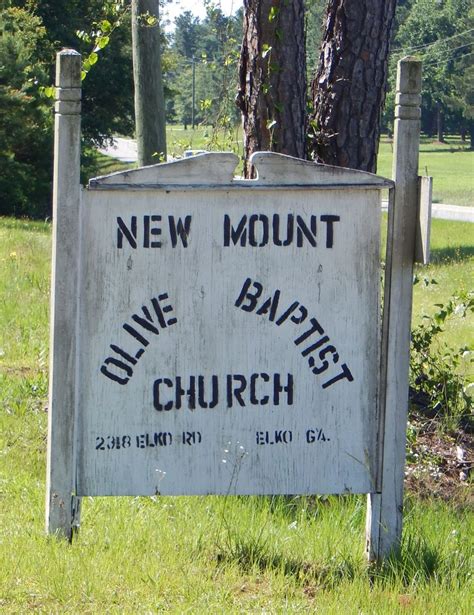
x,y
61,505
384,518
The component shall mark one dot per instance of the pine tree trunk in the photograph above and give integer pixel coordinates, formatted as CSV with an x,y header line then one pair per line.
x,y
150,122
272,94
440,123
348,90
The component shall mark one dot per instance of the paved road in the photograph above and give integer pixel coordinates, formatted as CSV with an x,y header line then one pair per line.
x,y
444,211
125,150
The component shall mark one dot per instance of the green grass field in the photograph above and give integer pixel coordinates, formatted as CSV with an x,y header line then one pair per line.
x,y
451,165
204,554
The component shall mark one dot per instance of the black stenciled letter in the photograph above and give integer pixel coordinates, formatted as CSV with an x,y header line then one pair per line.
x,y
252,298
151,230
253,241
156,394
231,234
129,233
121,365
178,229
330,229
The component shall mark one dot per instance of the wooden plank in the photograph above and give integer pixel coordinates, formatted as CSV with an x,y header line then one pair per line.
x,y
235,186
385,509
275,168
209,168
292,430
423,229
61,505
215,169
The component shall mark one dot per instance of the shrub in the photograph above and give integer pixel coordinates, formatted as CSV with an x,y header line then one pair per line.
x,y
25,116
437,384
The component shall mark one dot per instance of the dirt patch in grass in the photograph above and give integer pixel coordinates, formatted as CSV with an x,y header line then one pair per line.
x,y
439,464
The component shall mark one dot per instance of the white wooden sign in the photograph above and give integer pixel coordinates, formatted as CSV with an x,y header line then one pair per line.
x,y
228,333
216,335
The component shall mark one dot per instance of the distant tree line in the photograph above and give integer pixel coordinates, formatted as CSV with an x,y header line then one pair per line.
x,y
441,33
205,52
200,52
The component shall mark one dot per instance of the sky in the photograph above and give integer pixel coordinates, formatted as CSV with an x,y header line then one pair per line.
x,y
176,7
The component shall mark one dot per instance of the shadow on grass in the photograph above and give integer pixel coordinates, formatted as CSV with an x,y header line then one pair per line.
x,y
255,554
446,149
456,254
417,562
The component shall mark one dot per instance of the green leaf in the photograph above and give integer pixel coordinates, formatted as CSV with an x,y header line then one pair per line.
x,y
266,49
105,25
103,41
205,104
273,14
83,36
49,91
93,57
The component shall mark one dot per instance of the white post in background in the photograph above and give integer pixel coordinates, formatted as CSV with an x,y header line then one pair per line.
x,y
385,509
61,505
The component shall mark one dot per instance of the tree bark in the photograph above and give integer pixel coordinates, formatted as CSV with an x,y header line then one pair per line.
x,y
150,122
348,90
272,92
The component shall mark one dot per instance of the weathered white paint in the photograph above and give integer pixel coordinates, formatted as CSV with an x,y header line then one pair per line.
x,y
384,519
423,229
61,505
154,292
273,170
216,168
231,449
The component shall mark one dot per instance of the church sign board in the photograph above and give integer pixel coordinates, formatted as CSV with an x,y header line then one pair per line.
x,y
214,335
229,331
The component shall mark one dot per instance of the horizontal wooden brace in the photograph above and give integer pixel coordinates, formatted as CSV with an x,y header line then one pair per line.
x,y
245,185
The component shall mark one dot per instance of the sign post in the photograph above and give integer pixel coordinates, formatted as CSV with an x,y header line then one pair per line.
x,y
223,335
61,504
385,508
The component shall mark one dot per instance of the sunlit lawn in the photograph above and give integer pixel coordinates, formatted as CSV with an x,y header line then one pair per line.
x,y
451,165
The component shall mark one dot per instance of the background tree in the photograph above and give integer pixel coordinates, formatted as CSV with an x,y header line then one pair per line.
x,y
150,122
107,93
272,89
25,118
349,87
188,31
441,33
31,33
211,46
